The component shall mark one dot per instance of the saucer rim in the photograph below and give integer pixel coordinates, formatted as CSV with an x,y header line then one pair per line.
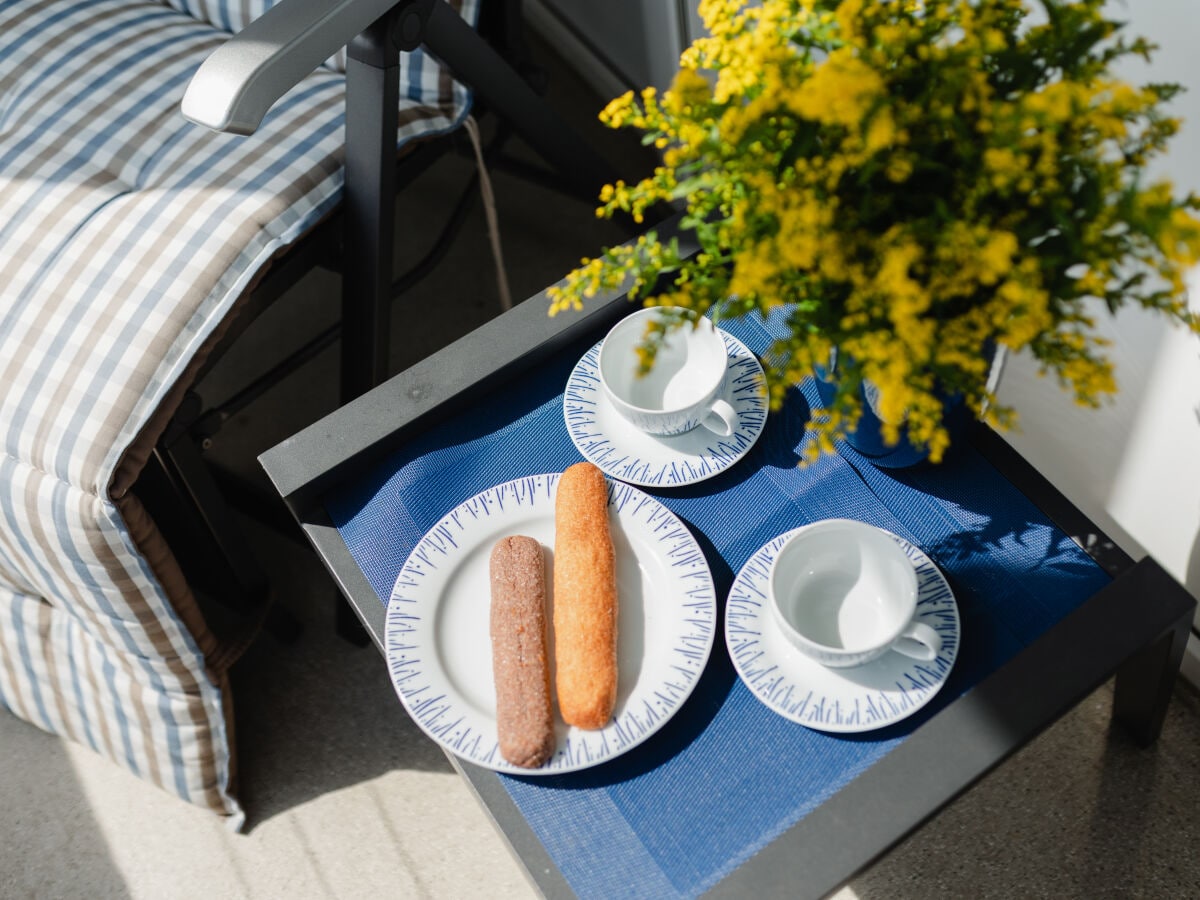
x,y
795,660
716,465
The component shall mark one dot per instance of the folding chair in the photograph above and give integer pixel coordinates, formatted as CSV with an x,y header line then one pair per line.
x,y
134,247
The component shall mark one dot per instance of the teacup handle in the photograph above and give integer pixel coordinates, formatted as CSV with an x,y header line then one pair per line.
x,y
918,640
721,418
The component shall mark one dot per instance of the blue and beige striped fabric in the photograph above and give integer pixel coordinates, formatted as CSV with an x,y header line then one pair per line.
x,y
127,236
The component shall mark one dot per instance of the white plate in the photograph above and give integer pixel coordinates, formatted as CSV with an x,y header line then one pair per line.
x,y
621,451
438,646
863,698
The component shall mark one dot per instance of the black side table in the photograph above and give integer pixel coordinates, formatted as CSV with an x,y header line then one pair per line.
x,y
1135,628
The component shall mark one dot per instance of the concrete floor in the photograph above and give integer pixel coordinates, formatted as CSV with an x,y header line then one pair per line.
x,y
345,798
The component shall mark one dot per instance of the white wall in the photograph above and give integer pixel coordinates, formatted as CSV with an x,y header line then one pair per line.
x,y
1134,466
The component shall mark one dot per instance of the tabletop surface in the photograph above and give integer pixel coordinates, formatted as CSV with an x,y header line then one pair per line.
x,y
729,798
726,775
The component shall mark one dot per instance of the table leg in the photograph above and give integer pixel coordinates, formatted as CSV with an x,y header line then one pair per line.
x,y
1146,680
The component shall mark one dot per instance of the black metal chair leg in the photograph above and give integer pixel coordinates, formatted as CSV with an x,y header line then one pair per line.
x,y
183,498
372,98
372,113
186,465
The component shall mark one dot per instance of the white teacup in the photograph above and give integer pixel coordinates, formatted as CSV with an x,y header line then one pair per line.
x,y
844,593
682,389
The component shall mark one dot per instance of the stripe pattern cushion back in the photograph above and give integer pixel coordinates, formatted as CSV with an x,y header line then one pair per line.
x,y
127,236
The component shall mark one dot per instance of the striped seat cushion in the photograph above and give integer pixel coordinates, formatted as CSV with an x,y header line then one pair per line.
x,y
225,15
418,77
127,236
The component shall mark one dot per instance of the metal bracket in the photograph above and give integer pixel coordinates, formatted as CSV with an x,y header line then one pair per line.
x,y
400,30
408,27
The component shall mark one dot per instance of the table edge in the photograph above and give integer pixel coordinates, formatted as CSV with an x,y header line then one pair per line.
x,y
307,464
969,738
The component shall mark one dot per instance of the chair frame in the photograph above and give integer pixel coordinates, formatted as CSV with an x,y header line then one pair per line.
x,y
357,240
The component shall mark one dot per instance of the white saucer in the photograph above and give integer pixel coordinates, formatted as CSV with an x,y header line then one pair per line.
x,y
862,698
623,452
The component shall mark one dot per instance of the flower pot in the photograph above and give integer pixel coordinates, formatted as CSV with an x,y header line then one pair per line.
x,y
868,439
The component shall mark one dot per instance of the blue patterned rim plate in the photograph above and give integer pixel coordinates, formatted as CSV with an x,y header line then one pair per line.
x,y
436,636
622,451
863,698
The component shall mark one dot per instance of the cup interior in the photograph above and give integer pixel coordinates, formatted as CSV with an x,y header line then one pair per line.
x,y
843,586
688,367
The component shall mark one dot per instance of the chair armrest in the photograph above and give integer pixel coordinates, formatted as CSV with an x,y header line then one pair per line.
x,y
236,85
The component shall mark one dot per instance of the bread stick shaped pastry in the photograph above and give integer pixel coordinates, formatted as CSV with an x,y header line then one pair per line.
x,y
585,599
520,659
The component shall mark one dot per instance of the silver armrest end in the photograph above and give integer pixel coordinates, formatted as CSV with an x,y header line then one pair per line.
x,y
241,80
231,90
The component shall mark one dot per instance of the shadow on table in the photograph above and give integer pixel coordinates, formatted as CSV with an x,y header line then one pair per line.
x,y
966,483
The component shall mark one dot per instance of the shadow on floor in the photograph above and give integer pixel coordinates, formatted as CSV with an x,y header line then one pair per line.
x,y
319,714
1081,812
47,821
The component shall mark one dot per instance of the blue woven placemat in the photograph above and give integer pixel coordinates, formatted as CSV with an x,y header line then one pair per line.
x,y
726,775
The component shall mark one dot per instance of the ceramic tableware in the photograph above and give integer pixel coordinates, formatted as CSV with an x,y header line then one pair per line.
x,y
844,593
682,389
862,698
621,451
437,640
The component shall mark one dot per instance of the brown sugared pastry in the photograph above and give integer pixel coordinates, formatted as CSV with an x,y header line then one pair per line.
x,y
520,659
